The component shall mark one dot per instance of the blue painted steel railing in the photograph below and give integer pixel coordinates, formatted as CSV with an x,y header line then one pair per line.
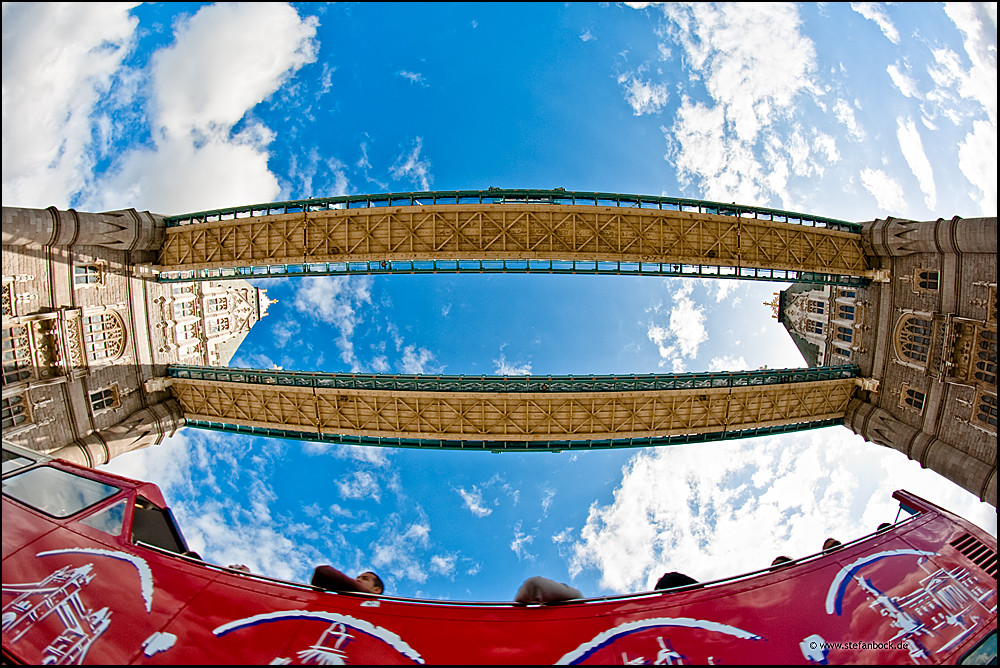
x,y
500,384
512,196
510,267
511,446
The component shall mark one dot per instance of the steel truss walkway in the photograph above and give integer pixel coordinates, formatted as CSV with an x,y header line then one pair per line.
x,y
530,413
523,231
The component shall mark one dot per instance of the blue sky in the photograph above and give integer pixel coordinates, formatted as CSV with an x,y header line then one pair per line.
x,y
852,111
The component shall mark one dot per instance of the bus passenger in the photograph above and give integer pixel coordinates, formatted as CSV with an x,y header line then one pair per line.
x,y
539,591
329,578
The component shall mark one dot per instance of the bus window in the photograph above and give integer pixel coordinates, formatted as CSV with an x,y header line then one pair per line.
x,y
12,461
983,654
56,492
109,520
155,526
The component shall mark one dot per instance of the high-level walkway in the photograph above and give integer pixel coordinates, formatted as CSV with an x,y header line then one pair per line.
x,y
546,231
512,413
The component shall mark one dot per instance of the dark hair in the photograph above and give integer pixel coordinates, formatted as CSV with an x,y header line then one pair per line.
x,y
674,579
378,580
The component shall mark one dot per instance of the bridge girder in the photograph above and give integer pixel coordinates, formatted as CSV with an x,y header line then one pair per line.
x,y
524,231
524,417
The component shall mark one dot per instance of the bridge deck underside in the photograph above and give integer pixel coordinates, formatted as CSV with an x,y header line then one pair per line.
x,y
513,232
525,417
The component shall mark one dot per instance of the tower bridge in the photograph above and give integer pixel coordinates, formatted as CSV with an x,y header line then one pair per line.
x,y
118,326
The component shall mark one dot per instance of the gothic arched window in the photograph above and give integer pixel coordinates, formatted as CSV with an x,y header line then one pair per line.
x,y
986,357
913,398
927,279
16,354
87,274
914,338
986,410
15,411
104,336
104,399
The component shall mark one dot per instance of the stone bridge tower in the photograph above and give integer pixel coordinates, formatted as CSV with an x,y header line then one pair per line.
x,y
86,331
925,334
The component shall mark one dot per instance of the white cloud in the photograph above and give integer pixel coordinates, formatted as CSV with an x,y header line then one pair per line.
x,y
519,543
283,331
474,501
218,67
903,82
978,23
336,300
505,368
875,12
586,35
717,145
396,550
887,192
316,176
50,94
413,77
826,145
913,151
251,360
978,153
721,287
977,158
417,361
410,166
729,508
644,97
444,564
547,498
752,84
360,485
216,70
844,112
683,334
728,363
376,456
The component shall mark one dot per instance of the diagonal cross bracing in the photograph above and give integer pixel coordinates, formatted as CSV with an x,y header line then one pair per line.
x,y
526,413
526,231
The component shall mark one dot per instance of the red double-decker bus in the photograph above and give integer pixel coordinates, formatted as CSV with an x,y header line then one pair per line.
x,y
96,570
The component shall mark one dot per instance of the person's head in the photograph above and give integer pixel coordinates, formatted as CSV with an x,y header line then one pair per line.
x,y
831,544
371,581
674,579
780,561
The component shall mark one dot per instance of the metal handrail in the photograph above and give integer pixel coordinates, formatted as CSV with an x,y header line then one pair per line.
x,y
507,384
511,196
564,267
